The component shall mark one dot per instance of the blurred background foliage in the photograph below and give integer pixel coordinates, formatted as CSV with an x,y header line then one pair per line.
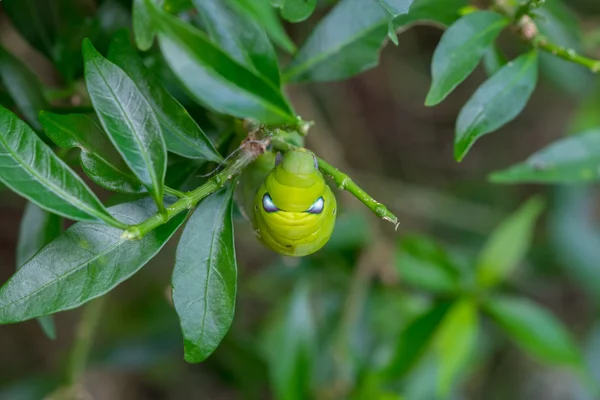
x,y
486,291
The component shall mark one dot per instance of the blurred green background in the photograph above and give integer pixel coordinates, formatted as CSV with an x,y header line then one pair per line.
x,y
376,128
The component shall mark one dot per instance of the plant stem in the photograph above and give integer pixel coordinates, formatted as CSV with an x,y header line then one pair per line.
x,y
344,182
83,340
176,193
567,54
249,151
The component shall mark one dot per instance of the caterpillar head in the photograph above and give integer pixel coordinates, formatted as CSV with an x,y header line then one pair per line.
x,y
294,208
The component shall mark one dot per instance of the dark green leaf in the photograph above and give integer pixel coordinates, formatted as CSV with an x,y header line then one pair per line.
x,y
459,51
240,36
23,86
263,13
455,339
214,78
572,159
99,159
535,330
205,276
348,40
38,228
295,10
182,134
508,244
498,101
424,264
85,262
31,169
414,340
143,27
294,342
493,60
128,119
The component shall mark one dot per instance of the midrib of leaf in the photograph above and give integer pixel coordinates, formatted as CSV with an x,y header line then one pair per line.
x,y
315,60
57,189
210,257
507,87
147,161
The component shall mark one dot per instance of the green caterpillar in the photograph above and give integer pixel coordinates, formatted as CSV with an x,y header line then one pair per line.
x,y
294,208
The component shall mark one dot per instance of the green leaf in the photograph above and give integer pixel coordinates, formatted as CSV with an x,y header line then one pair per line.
x,y
498,101
295,10
348,40
31,169
459,51
144,30
99,159
569,160
85,262
535,330
205,276
414,340
214,78
128,119
38,228
493,60
23,86
508,244
240,36
455,339
422,263
263,13
182,134
293,340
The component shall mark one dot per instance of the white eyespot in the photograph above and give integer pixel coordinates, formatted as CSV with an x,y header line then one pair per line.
x,y
317,206
268,204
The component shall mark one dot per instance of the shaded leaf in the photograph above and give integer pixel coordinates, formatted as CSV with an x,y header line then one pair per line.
x,y
414,340
38,228
143,27
456,338
295,10
128,120
182,134
493,60
30,168
508,244
459,51
99,159
24,87
422,263
535,330
87,261
495,103
240,36
348,40
263,13
205,276
568,160
214,78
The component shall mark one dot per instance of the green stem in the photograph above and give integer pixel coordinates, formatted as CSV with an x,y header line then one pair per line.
x,y
176,193
249,152
344,182
566,54
84,337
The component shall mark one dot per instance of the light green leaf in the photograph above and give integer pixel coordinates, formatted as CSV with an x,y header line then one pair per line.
x,y
459,51
348,40
508,244
569,160
498,101
456,339
38,228
535,330
240,36
23,86
214,78
31,169
99,159
295,10
182,134
86,261
205,276
144,30
128,119
493,60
